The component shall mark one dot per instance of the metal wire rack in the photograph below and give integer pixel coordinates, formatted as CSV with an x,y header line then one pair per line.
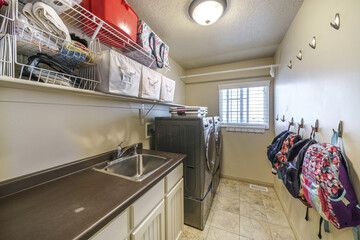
x,y
31,40
7,14
26,40
6,56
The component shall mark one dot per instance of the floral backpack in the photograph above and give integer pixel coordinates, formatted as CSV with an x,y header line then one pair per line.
x,y
326,185
282,156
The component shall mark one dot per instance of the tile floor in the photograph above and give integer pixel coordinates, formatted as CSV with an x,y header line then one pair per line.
x,y
241,213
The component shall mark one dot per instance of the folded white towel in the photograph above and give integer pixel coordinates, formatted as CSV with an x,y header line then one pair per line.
x,y
48,16
28,13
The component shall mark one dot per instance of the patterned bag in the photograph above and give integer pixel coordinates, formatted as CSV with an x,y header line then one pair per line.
x,y
326,185
282,156
153,45
276,145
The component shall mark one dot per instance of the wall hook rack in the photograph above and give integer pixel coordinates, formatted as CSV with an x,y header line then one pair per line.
x,y
313,43
336,24
340,129
300,55
142,114
290,65
277,117
283,118
301,125
291,123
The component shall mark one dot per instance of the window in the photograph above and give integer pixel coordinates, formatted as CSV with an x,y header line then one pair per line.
x,y
245,104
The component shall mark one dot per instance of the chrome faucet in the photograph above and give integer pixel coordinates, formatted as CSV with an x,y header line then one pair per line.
x,y
121,151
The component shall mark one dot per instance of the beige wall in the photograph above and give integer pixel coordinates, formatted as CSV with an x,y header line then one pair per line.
x,y
324,85
40,130
244,154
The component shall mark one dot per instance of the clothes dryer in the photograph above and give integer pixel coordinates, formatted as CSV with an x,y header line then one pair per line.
x,y
193,137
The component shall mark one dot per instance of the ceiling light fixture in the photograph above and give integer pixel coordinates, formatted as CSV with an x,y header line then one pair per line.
x,y
206,12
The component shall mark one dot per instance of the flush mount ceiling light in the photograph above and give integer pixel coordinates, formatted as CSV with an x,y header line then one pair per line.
x,y
206,12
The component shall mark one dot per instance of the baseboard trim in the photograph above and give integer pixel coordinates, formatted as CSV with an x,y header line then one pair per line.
x,y
292,225
266,184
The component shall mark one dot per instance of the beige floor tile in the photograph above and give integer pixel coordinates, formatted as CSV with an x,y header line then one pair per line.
x,y
244,186
227,204
217,234
270,193
191,233
251,196
245,238
281,233
253,211
270,202
277,216
228,190
254,229
226,221
228,181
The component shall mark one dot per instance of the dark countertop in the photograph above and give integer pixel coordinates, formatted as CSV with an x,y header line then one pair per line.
x,y
48,211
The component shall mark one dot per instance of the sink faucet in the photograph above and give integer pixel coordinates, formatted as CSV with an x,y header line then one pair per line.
x,y
122,151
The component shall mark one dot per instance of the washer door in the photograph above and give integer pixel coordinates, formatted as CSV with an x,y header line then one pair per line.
x,y
210,150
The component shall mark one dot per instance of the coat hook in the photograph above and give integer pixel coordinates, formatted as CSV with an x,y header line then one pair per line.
x,y
313,43
283,118
300,125
340,129
336,24
290,64
316,128
291,123
299,56
277,117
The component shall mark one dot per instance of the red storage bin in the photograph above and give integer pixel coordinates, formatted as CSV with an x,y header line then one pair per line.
x,y
118,14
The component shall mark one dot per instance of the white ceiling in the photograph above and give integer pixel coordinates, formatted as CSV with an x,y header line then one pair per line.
x,y
250,29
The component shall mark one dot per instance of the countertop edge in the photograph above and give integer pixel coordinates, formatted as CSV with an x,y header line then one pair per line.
x,y
119,209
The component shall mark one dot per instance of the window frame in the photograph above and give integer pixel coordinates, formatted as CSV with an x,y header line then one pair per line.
x,y
247,85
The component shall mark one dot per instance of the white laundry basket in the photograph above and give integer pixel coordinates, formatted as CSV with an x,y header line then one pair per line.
x,y
150,84
167,89
119,74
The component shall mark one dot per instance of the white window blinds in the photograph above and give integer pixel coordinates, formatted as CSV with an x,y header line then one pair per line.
x,y
245,104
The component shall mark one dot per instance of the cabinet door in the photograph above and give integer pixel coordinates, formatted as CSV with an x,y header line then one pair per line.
x,y
174,208
153,226
117,229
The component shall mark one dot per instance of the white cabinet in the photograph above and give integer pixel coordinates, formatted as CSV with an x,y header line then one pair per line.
x,y
146,203
174,209
156,215
117,229
153,226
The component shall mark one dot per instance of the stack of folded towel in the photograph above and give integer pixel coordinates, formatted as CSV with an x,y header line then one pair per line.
x,y
45,18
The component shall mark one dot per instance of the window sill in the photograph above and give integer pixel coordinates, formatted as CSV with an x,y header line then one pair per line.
x,y
245,129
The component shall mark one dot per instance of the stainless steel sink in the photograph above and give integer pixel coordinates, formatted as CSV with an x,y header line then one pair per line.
x,y
136,168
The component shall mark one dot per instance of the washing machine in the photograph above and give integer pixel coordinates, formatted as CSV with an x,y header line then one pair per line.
x,y
218,152
195,138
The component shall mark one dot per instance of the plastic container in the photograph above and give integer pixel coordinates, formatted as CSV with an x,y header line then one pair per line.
x,y
118,14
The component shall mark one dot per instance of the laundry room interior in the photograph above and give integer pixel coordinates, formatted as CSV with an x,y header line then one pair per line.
x,y
191,119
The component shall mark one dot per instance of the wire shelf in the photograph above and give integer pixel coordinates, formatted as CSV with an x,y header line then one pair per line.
x,y
7,14
47,76
6,56
79,20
